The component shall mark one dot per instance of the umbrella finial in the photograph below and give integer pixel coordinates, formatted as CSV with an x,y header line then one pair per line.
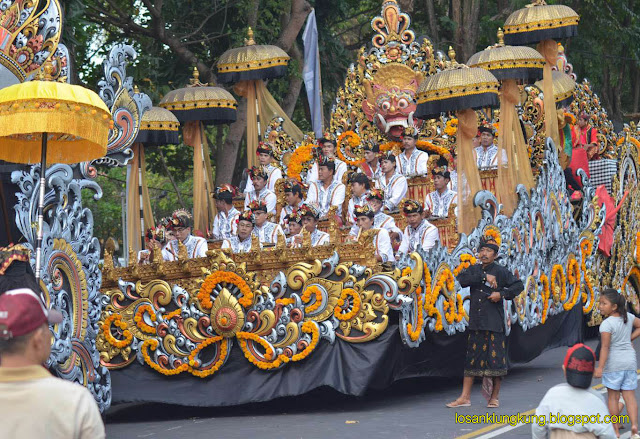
x,y
46,72
136,90
500,36
452,56
250,41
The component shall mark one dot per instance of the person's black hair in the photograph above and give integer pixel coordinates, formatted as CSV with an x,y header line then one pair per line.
x,y
329,164
324,140
19,275
295,189
226,197
361,178
618,299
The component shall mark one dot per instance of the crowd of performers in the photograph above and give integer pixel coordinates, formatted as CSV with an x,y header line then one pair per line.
x,y
378,187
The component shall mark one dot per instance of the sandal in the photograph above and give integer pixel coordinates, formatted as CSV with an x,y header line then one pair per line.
x,y
493,404
458,403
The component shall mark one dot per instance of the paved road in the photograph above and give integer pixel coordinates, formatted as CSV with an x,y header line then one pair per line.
x,y
412,409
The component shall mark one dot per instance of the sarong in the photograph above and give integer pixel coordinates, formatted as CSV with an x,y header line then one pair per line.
x,y
486,354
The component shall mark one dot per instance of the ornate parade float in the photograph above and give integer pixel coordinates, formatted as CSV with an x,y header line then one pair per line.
x,y
235,328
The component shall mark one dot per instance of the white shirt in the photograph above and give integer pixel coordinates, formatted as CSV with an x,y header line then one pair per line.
x,y
287,210
353,202
268,233
382,244
438,204
394,190
318,237
236,245
325,198
380,221
488,158
224,224
274,174
415,165
426,235
196,248
265,195
453,182
341,168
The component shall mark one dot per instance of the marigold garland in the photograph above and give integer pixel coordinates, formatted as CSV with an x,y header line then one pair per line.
x,y
306,297
545,296
587,247
466,260
228,277
139,319
573,274
286,301
172,314
638,248
302,155
634,141
451,127
493,233
309,328
153,343
406,271
571,117
414,333
353,140
213,369
357,305
116,320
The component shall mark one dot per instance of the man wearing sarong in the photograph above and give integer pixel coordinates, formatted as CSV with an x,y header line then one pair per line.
x,y
490,284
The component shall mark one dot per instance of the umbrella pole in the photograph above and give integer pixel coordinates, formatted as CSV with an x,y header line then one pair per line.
x,y
43,167
140,198
255,86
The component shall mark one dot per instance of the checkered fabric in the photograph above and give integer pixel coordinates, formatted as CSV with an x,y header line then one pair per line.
x,y
602,172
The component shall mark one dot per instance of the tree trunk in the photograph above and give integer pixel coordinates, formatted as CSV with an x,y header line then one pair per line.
x,y
406,6
252,15
295,84
456,16
433,23
636,89
227,155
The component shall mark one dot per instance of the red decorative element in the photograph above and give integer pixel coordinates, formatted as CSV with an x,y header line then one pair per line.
x,y
226,318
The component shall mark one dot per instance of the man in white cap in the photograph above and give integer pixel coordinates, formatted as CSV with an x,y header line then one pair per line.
x,y
33,403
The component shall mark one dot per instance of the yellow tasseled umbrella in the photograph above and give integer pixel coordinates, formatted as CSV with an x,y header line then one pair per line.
x,y
51,122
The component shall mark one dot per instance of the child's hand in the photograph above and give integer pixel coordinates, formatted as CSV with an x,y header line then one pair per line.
x,y
598,372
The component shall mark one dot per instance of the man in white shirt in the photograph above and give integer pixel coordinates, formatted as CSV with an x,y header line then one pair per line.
x,y
33,403
327,191
437,203
241,243
393,184
486,154
411,162
260,192
371,166
225,223
360,186
294,199
265,159
180,224
328,147
419,231
310,216
294,226
266,231
381,242
381,220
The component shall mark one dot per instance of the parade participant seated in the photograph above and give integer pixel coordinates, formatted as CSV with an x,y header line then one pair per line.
x,y
370,167
241,243
154,240
294,225
381,241
327,191
585,136
437,202
225,222
260,192
574,397
486,154
453,175
266,231
293,198
381,220
310,215
180,224
411,162
265,159
393,184
360,186
490,284
419,231
328,148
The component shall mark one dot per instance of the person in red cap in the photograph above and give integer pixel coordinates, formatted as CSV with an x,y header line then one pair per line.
x,y
33,403
571,399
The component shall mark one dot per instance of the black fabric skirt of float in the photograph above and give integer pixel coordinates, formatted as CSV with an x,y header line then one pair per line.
x,y
486,354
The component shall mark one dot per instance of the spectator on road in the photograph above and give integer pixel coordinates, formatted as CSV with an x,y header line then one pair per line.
x,y
573,398
33,403
618,364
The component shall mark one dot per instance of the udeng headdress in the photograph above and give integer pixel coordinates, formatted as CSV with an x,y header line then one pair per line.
x,y
363,211
375,194
258,171
411,206
256,205
247,215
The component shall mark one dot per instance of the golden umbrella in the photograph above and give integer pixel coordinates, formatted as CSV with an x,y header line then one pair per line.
x,y
157,127
460,88
192,105
510,64
53,122
248,66
541,23
563,88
